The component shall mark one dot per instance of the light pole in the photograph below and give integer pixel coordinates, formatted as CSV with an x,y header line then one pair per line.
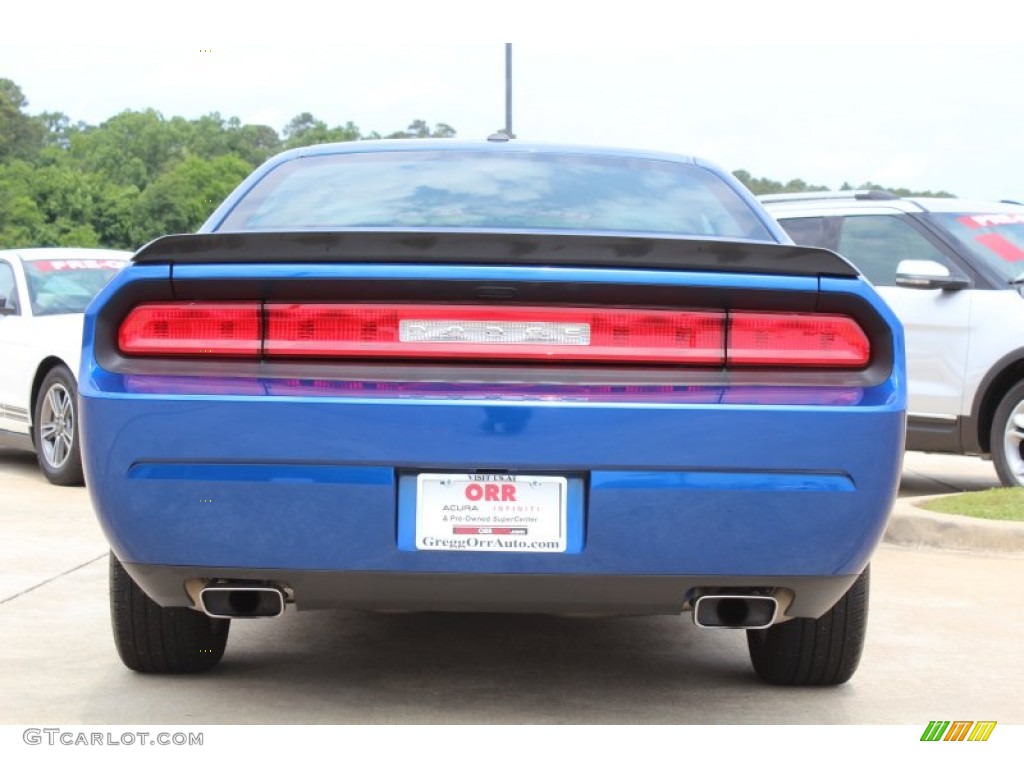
x,y
508,91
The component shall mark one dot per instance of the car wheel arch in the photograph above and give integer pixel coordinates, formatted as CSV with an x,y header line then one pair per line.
x,y
997,382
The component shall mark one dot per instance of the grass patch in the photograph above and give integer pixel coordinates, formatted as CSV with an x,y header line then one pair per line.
x,y
993,504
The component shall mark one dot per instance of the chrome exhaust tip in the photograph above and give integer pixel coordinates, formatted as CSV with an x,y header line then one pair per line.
x,y
241,601
735,611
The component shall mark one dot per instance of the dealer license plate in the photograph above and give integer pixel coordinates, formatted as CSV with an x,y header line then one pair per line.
x,y
491,512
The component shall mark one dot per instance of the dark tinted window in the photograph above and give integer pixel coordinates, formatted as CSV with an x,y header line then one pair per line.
x,y
819,231
877,244
495,190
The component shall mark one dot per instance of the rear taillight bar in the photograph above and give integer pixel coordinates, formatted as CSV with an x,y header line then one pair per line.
x,y
458,332
193,329
787,339
517,333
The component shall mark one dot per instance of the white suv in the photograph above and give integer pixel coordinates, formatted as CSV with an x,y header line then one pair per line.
x,y
952,270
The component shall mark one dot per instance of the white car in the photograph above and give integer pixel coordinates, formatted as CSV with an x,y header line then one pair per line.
x,y
43,293
953,272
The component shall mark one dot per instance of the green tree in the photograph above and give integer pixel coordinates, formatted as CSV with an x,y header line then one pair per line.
x,y
304,130
131,148
418,129
207,136
255,143
21,221
898,191
21,135
766,186
180,199
133,177
113,214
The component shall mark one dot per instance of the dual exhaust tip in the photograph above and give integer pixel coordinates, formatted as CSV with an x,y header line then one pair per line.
x,y
246,601
236,601
735,611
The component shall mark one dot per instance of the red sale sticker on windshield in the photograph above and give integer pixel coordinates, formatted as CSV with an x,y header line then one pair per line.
x,y
1001,247
979,220
62,265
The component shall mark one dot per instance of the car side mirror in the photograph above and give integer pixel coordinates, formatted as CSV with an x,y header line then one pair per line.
x,y
5,308
926,275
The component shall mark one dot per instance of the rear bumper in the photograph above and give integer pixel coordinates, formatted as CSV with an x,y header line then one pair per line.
x,y
307,485
497,593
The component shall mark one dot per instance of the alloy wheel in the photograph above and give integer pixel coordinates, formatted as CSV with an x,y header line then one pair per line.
x,y
57,425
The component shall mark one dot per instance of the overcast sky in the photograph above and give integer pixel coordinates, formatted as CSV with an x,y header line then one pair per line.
x,y
903,94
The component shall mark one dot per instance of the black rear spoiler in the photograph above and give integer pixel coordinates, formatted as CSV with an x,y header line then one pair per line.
x,y
506,249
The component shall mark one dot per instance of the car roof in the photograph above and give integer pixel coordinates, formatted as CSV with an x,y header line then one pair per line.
x,y
462,145
874,198
957,205
42,254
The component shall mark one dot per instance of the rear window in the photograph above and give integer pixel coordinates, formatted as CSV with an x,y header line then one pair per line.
x,y
491,190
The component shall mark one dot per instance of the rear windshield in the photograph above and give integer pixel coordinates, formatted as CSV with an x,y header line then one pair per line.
x,y
491,190
995,238
63,286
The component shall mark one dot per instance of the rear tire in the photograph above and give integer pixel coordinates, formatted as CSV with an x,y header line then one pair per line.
x,y
823,651
150,638
55,428
1007,437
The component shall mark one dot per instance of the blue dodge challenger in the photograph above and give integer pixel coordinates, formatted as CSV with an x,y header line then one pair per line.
x,y
492,376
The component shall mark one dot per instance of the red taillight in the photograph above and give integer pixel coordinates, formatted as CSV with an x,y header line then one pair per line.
x,y
520,333
215,329
781,339
486,333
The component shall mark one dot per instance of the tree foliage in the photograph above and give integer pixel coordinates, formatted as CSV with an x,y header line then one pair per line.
x,y
21,136
186,194
418,129
305,129
137,175
764,186
898,191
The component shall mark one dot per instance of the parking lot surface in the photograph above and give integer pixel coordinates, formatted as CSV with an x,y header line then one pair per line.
x,y
943,640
